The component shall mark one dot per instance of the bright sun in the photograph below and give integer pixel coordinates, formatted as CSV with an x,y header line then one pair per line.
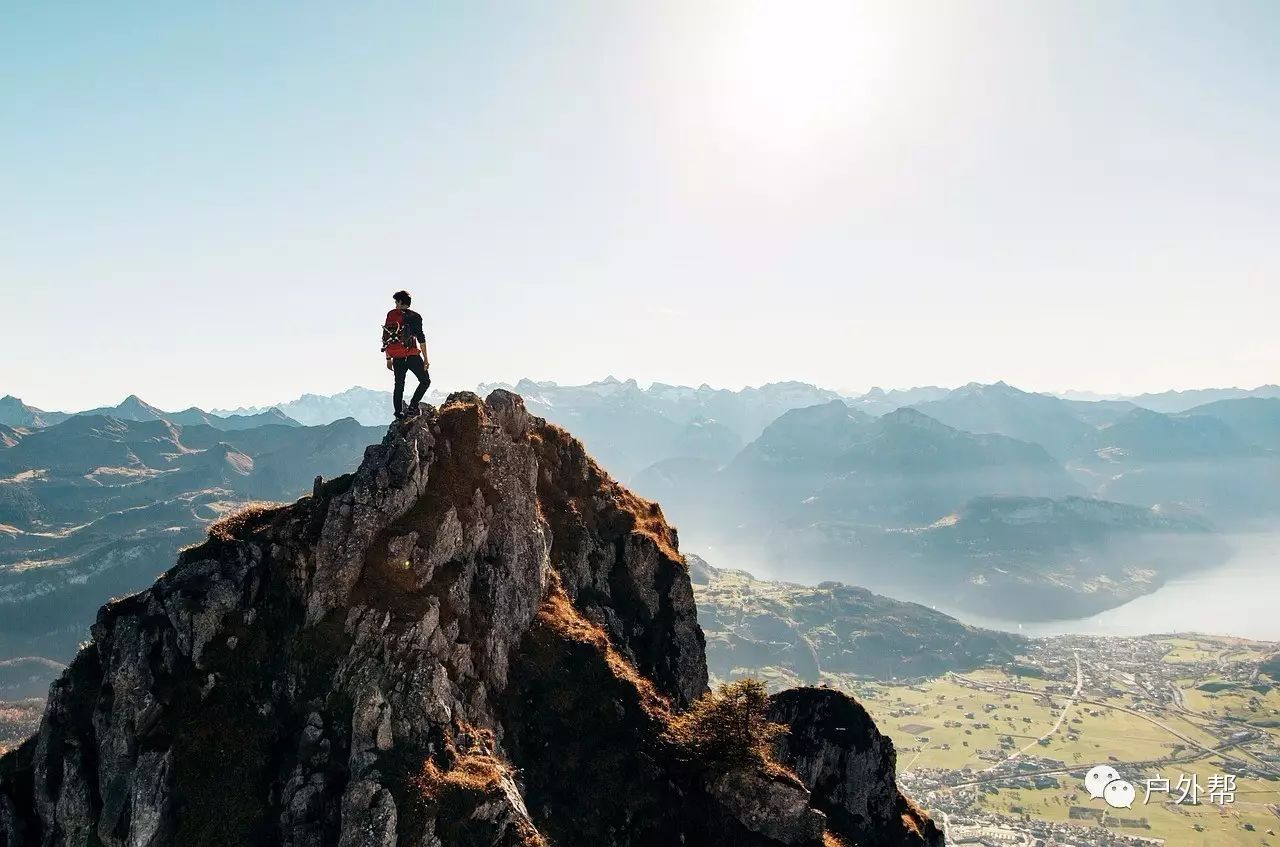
x,y
788,77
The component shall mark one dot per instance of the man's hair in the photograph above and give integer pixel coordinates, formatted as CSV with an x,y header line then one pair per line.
x,y
402,297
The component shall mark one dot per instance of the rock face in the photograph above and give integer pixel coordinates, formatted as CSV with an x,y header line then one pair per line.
x,y
836,750
476,639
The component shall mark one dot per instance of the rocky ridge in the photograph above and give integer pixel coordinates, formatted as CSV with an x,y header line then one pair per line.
x,y
477,638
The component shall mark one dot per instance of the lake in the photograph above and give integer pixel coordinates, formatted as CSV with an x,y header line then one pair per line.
x,y
1240,598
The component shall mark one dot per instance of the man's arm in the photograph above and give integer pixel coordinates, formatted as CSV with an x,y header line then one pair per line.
x,y
422,339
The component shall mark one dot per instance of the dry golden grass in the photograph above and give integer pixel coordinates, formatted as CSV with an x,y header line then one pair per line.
x,y
723,729
473,778
650,523
564,457
559,614
913,818
227,531
234,525
830,839
473,774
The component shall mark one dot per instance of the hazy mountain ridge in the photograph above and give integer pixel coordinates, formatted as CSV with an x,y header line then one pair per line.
x,y
796,633
878,401
901,469
1146,435
1193,461
1254,419
627,427
684,403
94,506
27,677
631,428
15,413
371,407
1048,421
1172,402
911,507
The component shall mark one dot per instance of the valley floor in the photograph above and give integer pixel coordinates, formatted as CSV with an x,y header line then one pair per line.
x,y
1002,752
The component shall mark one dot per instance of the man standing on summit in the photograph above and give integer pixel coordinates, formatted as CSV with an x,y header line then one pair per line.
x,y
406,349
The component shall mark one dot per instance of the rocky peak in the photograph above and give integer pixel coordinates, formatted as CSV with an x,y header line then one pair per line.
x,y
477,638
135,406
14,412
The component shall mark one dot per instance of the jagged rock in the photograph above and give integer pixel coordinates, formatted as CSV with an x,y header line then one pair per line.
x,y
772,805
833,745
477,638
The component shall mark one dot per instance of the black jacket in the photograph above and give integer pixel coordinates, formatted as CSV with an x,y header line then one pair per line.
x,y
413,325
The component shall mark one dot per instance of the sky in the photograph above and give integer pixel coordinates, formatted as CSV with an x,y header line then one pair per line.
x,y
210,204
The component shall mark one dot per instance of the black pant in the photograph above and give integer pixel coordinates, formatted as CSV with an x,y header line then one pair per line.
x,y
409,363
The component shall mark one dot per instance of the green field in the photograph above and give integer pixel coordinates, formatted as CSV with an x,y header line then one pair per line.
x,y
1089,733
1246,703
947,724
1219,827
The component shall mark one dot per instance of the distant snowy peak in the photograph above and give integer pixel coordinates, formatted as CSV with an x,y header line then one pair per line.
x,y
369,406
999,388
879,401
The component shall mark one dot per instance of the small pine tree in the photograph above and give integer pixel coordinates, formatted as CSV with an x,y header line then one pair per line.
x,y
729,727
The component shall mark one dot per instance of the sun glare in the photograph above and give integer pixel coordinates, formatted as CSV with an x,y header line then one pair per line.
x,y
792,76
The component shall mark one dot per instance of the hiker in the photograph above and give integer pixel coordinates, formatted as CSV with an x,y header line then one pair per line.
x,y
406,349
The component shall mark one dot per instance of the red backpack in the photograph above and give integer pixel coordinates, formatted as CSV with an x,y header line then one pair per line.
x,y
394,334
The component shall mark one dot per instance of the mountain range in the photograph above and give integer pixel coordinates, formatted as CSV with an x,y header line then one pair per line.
x,y
1123,498
1214,460
630,428
94,506
1182,401
368,406
1056,424
15,413
746,412
788,479
27,678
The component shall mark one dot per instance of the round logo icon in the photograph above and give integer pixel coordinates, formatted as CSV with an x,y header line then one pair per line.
x,y
1095,781
1119,794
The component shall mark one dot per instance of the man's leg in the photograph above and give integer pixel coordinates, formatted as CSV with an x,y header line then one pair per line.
x,y
399,366
424,380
